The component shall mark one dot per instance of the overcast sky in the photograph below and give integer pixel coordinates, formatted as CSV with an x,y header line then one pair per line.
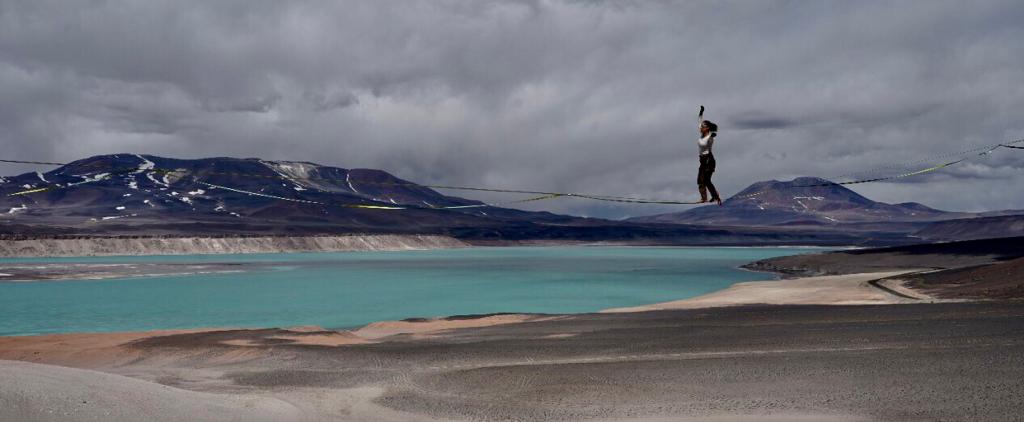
x,y
584,96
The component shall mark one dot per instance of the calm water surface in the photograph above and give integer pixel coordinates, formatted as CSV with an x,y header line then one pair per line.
x,y
342,290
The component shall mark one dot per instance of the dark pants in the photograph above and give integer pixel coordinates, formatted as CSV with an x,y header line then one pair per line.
x,y
707,168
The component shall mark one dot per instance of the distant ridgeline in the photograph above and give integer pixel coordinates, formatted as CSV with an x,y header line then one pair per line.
x,y
122,190
807,201
129,194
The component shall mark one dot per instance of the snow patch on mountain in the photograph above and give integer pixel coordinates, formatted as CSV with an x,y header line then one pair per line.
x,y
89,179
158,182
297,173
146,165
115,217
348,179
291,170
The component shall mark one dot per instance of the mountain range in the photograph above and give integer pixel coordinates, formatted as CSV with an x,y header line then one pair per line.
x,y
145,195
129,190
813,202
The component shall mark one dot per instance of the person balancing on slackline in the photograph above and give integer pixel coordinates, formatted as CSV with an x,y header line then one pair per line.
x,y
708,132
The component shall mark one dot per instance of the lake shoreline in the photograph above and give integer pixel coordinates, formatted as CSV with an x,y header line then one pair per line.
x,y
197,245
23,246
841,290
324,288
847,289
26,269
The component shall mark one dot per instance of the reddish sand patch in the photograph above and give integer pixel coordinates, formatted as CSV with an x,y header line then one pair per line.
x,y
420,328
83,350
850,289
305,336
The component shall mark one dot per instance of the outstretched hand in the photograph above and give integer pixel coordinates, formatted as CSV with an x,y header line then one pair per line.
x,y
702,110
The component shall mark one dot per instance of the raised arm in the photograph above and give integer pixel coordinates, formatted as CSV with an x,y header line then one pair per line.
x,y
700,118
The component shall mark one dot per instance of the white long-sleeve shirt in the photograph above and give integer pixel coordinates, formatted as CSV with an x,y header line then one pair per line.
x,y
704,143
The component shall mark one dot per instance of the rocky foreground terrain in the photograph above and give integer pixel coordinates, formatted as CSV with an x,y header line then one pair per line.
x,y
911,362
989,269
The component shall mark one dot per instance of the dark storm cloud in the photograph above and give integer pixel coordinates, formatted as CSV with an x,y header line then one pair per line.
x,y
761,121
317,101
587,96
244,105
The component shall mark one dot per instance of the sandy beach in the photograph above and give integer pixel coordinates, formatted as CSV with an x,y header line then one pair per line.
x,y
850,289
834,348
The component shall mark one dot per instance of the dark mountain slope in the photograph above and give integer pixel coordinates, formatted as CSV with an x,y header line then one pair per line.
x,y
804,201
974,228
128,190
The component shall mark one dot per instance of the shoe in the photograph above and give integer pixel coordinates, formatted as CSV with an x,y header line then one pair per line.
x,y
718,200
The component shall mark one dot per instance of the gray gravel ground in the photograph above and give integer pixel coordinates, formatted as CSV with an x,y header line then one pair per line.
x,y
949,361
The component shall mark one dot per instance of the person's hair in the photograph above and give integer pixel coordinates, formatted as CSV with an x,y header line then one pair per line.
x,y
711,126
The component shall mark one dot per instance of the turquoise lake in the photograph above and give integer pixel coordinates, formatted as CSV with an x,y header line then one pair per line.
x,y
350,289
